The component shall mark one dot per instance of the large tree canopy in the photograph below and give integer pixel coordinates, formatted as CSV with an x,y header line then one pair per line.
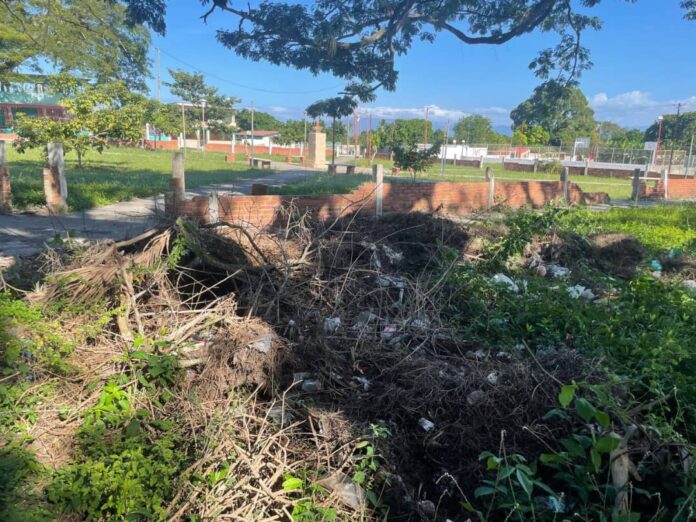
x,y
559,109
95,38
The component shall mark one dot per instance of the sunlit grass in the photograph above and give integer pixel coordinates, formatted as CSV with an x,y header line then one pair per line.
x,y
118,174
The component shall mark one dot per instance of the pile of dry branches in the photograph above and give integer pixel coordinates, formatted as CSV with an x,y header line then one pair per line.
x,y
295,341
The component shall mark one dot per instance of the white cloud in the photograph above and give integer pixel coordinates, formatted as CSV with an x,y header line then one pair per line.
x,y
499,115
635,108
275,109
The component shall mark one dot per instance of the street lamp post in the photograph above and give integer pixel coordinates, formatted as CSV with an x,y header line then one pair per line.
x,y
203,124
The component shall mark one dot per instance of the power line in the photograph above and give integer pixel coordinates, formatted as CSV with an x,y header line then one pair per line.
x,y
241,85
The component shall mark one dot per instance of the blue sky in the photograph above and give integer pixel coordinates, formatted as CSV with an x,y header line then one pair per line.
x,y
644,63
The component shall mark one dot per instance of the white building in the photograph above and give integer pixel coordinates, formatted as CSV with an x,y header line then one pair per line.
x,y
261,138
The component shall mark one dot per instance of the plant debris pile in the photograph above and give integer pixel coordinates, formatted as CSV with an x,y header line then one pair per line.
x,y
324,370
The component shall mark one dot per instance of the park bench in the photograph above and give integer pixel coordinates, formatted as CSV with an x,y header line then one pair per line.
x,y
333,169
294,159
259,162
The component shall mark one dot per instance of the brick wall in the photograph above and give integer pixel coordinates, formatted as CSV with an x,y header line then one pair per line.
x,y
681,188
448,198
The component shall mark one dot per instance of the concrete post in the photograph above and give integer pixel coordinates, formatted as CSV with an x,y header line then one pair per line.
x,y
378,178
55,186
536,165
213,208
481,162
178,182
635,193
491,192
5,189
489,173
587,167
665,182
565,180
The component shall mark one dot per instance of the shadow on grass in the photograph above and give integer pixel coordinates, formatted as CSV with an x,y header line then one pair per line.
x,y
102,183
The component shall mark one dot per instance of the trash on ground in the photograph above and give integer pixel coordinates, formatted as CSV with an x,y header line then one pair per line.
x,y
475,397
425,424
347,491
263,343
331,324
503,280
311,385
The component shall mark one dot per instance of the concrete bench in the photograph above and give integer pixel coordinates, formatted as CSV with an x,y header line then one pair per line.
x,y
333,169
291,159
258,162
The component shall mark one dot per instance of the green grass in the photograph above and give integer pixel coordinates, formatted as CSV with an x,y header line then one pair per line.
x,y
322,184
119,174
615,187
659,228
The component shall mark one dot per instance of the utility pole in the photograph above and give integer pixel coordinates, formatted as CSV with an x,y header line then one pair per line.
x,y
369,138
252,132
356,120
304,143
444,150
159,76
183,126
676,129
233,125
691,150
426,127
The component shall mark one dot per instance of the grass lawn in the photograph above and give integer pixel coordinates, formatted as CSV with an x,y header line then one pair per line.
x,y
659,228
342,184
118,174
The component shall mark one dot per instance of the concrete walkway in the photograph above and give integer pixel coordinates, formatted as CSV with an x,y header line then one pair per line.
x,y
25,235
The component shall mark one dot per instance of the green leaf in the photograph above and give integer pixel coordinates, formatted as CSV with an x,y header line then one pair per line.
x,y
362,444
492,463
565,397
550,458
585,409
484,491
525,482
603,418
359,477
606,444
292,483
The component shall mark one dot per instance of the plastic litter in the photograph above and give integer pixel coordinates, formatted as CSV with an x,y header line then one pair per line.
x,y
331,324
311,385
425,424
503,280
493,378
262,344
579,291
363,381
350,493
656,265
558,271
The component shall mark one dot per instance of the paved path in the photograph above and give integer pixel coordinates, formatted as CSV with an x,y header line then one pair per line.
x,y
23,234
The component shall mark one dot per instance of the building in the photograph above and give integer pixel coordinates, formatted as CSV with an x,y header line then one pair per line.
x,y
30,97
261,138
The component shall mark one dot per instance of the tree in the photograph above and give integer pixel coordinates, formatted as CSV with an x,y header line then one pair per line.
x,y
164,117
96,114
262,121
409,157
676,131
473,129
526,135
614,135
95,38
292,131
406,132
219,109
360,39
561,110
